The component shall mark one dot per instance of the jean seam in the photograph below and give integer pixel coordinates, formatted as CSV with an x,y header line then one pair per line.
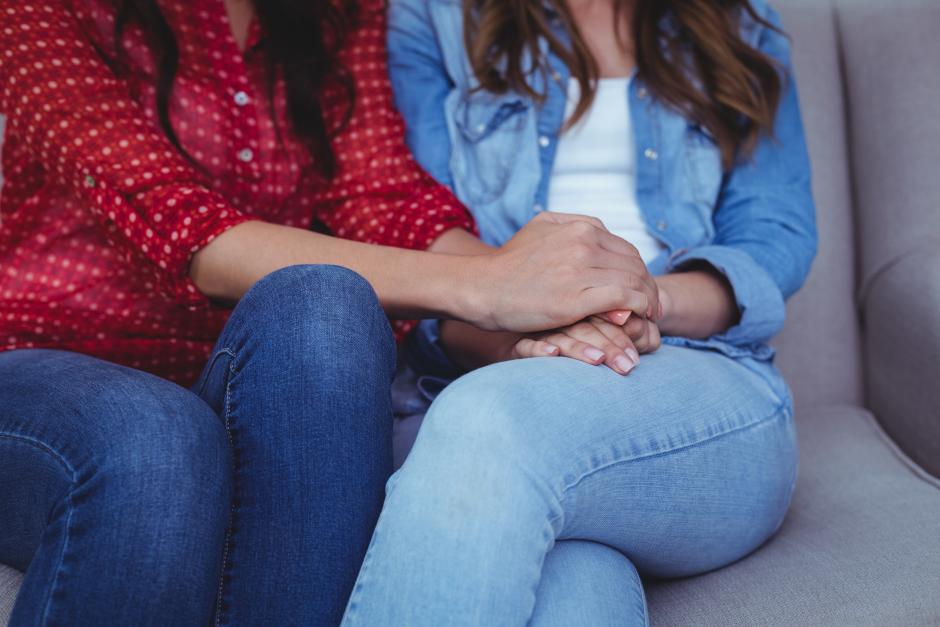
x,y
233,445
780,410
62,461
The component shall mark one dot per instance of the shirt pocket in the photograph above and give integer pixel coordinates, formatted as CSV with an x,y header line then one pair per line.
x,y
490,139
703,168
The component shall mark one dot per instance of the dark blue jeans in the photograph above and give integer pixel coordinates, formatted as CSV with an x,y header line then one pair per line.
x,y
129,500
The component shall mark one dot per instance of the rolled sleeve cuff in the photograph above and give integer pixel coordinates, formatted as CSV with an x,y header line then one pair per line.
x,y
759,301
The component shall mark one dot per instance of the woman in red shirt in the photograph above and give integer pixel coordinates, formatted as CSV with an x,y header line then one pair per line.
x,y
161,157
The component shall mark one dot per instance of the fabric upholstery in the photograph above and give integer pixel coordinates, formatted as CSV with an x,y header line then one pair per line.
x,y
891,57
9,585
892,53
857,548
899,353
819,350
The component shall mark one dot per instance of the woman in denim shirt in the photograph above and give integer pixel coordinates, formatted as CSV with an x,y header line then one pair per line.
x,y
539,490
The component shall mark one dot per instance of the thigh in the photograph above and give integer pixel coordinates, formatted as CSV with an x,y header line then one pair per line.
x,y
590,584
684,465
67,418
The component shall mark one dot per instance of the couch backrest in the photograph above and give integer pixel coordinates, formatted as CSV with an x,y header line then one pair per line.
x,y
819,349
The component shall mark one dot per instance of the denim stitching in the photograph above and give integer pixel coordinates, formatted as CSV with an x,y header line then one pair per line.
x,y
61,460
221,608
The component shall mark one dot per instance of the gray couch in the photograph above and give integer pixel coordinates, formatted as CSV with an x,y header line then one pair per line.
x,y
861,545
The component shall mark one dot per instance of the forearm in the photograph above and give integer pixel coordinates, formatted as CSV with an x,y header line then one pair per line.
x,y
409,284
696,304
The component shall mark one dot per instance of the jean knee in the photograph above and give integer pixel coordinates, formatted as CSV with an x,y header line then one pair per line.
x,y
327,309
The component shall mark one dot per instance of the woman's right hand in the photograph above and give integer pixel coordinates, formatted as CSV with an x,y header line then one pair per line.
x,y
558,269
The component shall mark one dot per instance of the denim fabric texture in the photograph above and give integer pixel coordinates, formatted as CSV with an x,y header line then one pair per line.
x,y
129,500
684,466
755,223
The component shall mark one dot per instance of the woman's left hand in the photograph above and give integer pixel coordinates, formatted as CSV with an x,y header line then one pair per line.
x,y
595,341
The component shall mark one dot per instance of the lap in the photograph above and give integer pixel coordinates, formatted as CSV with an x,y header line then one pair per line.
x,y
78,407
684,465
676,397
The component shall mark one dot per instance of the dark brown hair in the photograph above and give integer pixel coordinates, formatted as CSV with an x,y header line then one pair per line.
x,y
689,53
301,43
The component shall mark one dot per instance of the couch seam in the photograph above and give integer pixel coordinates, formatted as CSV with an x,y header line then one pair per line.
x,y
896,450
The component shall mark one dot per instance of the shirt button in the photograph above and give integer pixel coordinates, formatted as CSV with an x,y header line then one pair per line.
x,y
246,154
544,141
661,225
89,181
538,208
556,76
481,128
651,154
642,93
241,98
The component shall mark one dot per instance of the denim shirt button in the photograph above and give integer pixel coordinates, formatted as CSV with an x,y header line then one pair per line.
x,y
651,154
544,141
538,208
661,225
642,93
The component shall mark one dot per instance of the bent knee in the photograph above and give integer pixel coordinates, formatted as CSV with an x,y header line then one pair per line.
x,y
326,311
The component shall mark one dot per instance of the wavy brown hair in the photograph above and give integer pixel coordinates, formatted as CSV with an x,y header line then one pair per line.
x,y
689,53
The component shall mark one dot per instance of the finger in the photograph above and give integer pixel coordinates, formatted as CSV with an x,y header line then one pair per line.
x,y
608,290
567,218
618,317
576,349
645,336
617,334
527,347
614,355
629,352
655,338
636,273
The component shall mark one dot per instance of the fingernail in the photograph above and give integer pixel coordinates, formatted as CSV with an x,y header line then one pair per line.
x,y
551,349
594,354
623,364
633,356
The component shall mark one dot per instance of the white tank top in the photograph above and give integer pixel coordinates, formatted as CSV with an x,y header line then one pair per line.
x,y
595,166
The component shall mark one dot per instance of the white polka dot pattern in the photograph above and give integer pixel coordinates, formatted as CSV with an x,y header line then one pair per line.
x,y
101,214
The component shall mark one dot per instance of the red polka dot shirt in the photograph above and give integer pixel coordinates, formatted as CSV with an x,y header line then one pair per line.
x,y
100,215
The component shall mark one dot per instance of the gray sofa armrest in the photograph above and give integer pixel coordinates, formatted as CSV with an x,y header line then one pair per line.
x,y
901,310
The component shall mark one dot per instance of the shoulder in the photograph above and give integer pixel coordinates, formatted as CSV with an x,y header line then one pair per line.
x,y
766,30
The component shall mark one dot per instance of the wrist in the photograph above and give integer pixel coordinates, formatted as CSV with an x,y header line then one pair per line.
x,y
472,291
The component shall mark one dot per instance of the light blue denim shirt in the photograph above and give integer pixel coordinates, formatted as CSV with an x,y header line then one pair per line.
x,y
755,223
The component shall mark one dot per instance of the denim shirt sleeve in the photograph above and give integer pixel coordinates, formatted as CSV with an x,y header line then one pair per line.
x,y
420,85
765,220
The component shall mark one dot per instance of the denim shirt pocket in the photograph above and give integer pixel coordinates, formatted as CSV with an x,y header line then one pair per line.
x,y
704,176
490,134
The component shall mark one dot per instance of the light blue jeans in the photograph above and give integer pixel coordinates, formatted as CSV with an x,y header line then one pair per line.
x,y
538,491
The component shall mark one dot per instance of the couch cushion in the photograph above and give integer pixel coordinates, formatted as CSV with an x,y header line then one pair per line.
x,y
859,546
9,585
819,350
892,53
